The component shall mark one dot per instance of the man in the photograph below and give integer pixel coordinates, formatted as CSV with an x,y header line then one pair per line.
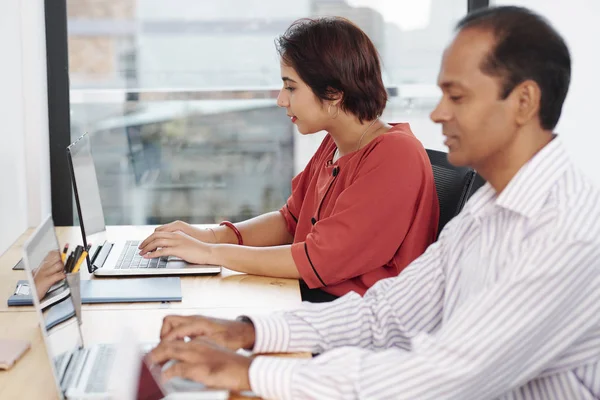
x,y
506,304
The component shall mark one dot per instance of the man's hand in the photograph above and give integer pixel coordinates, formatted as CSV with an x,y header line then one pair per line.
x,y
205,362
230,334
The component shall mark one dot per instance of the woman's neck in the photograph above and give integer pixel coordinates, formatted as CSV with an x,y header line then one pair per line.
x,y
350,136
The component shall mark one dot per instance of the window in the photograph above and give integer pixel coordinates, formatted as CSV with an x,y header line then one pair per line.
x,y
179,97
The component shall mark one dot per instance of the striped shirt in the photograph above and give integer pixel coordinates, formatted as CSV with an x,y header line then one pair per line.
x,y
506,304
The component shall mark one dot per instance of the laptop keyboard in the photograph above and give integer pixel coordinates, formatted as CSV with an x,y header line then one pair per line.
x,y
58,361
103,365
130,258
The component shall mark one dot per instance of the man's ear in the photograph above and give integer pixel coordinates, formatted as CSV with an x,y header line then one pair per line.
x,y
528,96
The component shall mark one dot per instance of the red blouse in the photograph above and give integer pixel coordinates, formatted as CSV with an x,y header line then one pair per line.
x,y
364,217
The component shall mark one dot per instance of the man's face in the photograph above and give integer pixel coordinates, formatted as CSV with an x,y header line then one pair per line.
x,y
477,124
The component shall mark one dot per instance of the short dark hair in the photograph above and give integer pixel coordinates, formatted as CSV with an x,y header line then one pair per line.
x,y
333,55
527,47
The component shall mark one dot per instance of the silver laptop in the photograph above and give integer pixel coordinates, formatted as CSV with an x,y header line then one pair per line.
x,y
101,371
113,257
79,371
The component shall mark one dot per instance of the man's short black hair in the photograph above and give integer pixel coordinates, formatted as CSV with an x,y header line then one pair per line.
x,y
527,48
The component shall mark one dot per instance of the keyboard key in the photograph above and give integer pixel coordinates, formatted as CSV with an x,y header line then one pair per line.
x,y
99,375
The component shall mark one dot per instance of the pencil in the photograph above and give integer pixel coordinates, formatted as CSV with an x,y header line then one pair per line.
x,y
81,258
63,255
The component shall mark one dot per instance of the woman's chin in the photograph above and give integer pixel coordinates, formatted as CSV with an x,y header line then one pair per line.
x,y
306,131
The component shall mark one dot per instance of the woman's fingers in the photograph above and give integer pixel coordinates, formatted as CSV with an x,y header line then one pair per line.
x,y
156,240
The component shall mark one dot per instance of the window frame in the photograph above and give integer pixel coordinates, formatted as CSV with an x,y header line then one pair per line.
x,y
59,121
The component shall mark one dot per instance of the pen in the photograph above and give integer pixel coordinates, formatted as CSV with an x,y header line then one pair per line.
x,y
78,251
81,258
74,257
69,263
63,255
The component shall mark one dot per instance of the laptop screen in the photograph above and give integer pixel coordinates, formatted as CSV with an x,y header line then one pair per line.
x,y
85,185
52,298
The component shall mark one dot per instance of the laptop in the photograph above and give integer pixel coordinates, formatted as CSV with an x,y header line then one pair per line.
x,y
113,257
78,371
100,371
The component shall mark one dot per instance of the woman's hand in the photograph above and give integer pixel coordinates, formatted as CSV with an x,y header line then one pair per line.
x,y
202,234
177,244
227,333
51,271
202,361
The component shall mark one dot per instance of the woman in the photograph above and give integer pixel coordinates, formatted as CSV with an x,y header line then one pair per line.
x,y
365,205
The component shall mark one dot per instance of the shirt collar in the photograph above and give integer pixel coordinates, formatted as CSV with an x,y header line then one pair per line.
x,y
528,189
480,199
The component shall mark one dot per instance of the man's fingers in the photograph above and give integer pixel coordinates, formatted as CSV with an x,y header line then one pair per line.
x,y
172,321
192,329
178,351
196,372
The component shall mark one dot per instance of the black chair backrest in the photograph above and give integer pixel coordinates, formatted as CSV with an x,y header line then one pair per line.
x,y
453,185
477,183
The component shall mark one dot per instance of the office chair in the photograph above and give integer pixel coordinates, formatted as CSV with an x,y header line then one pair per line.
x,y
453,186
477,183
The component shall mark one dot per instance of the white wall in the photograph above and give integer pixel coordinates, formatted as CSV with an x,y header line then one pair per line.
x,y
578,21
24,156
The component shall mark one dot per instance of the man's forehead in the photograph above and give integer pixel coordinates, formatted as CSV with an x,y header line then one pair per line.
x,y
462,59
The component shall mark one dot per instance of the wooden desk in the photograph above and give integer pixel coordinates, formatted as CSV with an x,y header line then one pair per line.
x,y
226,295
228,289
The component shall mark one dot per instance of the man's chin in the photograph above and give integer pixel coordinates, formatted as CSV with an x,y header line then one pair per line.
x,y
457,159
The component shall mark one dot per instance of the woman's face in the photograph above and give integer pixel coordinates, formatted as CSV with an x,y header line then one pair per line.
x,y
302,106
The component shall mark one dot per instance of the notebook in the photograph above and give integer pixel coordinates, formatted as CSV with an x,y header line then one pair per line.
x,y
109,291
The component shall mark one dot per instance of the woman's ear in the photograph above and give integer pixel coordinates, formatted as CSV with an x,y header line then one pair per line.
x,y
335,96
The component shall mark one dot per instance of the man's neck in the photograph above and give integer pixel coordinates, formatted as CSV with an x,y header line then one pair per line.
x,y
499,169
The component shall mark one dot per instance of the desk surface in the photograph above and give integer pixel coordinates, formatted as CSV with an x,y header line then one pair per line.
x,y
228,289
226,295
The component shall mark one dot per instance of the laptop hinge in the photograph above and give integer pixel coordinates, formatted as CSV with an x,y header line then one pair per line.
x,y
103,253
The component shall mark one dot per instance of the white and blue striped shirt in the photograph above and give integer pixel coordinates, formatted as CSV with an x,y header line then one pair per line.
x,y
506,304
